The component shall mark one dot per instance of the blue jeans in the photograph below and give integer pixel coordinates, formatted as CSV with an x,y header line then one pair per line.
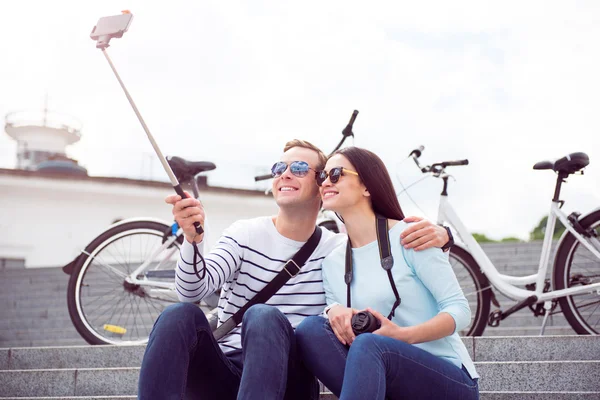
x,y
183,359
376,367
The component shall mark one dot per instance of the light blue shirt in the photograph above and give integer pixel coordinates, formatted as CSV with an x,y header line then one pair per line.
x,y
425,282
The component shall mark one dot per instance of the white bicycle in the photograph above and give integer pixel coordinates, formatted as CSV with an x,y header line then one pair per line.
x,y
575,278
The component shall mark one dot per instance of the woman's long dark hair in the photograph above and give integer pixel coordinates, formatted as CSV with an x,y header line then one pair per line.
x,y
374,175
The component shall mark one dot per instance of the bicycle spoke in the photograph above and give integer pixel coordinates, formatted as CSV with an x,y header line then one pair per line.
x,y
589,304
592,313
120,255
110,319
101,296
106,266
150,306
109,250
93,322
138,301
153,306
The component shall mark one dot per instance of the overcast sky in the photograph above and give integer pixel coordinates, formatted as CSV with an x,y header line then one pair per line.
x,y
504,84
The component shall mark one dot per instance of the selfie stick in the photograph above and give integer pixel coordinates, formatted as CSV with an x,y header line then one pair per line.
x,y
114,27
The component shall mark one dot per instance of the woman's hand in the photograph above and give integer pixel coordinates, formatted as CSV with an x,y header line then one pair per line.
x,y
388,328
340,319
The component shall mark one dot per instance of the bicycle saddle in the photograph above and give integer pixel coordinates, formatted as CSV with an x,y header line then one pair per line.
x,y
185,170
569,164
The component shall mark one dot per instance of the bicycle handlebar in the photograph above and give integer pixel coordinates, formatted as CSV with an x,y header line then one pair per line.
x,y
435,168
262,177
457,163
347,131
417,152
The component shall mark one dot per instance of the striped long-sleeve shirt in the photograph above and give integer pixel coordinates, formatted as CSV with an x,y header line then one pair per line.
x,y
248,255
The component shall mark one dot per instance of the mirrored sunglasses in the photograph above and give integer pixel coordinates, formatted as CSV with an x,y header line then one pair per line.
x,y
297,168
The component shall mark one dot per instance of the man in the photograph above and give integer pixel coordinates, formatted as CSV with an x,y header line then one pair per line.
x,y
258,359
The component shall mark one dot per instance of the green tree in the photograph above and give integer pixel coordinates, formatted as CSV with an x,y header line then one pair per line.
x,y
538,232
481,238
510,239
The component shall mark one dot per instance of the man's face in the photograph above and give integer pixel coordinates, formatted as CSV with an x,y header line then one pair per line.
x,y
293,191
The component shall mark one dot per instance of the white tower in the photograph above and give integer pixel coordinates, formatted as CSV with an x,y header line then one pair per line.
x,y
41,136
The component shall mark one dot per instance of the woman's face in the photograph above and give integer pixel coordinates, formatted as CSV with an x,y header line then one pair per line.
x,y
347,192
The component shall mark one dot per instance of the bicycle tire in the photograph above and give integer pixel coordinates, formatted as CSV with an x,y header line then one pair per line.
x,y
568,272
476,289
87,266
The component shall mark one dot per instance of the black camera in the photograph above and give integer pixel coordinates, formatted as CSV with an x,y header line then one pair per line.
x,y
364,322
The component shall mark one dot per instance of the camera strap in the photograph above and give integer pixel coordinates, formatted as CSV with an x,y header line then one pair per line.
x,y
385,255
290,269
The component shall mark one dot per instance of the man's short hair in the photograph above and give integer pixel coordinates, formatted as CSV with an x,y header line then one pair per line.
x,y
308,145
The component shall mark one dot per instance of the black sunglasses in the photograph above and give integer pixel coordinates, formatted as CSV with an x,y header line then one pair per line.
x,y
297,168
334,175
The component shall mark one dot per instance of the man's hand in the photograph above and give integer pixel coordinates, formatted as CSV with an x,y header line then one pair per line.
x,y
423,234
340,319
186,212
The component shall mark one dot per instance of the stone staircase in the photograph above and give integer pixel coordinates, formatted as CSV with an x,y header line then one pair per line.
x,y
33,312
534,368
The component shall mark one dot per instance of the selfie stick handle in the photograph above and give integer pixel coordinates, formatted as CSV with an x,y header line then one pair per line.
x,y
162,159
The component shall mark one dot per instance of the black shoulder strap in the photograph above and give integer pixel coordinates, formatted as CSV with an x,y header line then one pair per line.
x,y
348,274
387,261
290,269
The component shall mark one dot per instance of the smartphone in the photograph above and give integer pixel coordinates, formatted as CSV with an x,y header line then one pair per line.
x,y
111,27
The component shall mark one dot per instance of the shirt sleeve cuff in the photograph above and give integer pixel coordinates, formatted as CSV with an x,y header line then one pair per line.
x,y
187,251
329,307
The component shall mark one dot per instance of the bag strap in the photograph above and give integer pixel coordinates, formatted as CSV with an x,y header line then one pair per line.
x,y
290,269
387,261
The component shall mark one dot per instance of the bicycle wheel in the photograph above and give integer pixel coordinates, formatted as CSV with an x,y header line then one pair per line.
x,y
575,265
476,289
104,308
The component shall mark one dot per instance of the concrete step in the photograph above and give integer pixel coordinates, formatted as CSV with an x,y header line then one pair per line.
x,y
482,349
73,398
13,323
68,341
46,334
71,357
69,382
539,395
537,376
329,396
559,376
41,311
528,331
537,348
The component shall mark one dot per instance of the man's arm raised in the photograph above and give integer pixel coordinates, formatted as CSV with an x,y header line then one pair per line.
x,y
212,271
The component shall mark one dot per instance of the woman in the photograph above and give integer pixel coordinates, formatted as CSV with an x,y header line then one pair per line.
x,y
416,354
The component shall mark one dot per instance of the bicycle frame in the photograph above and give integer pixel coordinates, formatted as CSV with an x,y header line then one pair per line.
x,y
507,284
132,278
